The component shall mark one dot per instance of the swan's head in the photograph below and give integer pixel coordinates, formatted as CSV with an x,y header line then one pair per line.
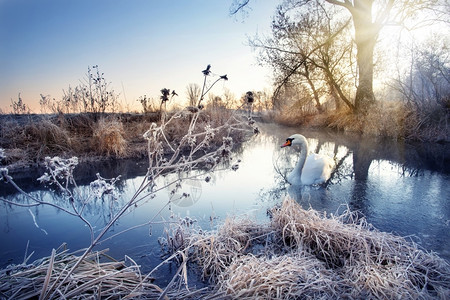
x,y
295,139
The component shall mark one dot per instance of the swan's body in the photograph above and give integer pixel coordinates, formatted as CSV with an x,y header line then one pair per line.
x,y
310,169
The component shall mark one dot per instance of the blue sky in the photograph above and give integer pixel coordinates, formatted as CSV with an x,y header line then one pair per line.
x,y
141,46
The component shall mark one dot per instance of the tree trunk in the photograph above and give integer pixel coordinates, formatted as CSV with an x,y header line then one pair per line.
x,y
337,88
335,97
313,88
366,33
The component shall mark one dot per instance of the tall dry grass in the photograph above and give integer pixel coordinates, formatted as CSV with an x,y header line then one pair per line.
x,y
48,137
109,137
30,141
303,254
88,137
215,252
289,276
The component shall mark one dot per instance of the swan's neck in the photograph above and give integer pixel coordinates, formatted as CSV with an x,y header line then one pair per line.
x,y
301,159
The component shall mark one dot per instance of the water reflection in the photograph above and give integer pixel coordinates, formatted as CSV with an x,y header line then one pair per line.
x,y
399,187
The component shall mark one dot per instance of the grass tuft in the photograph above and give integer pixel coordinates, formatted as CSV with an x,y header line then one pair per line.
x,y
109,137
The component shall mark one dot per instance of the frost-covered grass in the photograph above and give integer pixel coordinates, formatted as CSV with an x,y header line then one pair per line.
x,y
298,254
109,137
28,140
303,254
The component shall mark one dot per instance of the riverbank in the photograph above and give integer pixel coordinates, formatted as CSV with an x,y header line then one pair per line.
x,y
28,139
391,120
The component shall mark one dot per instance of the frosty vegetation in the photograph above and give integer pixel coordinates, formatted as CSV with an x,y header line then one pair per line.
x,y
192,151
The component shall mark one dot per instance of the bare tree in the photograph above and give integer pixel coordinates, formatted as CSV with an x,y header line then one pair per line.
x,y
193,93
308,48
229,99
426,88
368,18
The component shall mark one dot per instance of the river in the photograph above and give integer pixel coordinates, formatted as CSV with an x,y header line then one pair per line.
x,y
399,187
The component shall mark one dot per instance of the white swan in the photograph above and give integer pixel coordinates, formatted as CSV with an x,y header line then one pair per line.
x,y
310,169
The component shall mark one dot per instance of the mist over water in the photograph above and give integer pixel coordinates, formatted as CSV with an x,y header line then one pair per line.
x,y
398,187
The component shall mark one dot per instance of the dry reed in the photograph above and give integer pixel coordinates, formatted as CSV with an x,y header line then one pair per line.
x,y
371,262
215,252
278,277
303,254
93,279
32,139
48,135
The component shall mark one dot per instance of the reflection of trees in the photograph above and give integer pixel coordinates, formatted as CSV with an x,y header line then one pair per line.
x,y
97,208
358,201
5,218
362,158
355,157
183,189
343,169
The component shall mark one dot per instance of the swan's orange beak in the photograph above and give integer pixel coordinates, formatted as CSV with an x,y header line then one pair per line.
x,y
288,143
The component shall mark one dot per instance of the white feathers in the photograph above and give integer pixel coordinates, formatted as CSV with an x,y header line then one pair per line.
x,y
310,169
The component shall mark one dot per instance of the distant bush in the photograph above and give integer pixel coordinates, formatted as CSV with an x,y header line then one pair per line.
x,y
19,107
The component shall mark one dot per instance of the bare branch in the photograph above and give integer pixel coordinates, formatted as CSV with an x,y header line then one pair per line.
x,y
237,6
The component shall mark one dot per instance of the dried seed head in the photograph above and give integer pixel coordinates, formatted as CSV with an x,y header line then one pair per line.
x,y
192,109
207,71
3,174
165,95
249,97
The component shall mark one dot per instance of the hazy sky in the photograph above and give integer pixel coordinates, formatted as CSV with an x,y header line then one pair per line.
x,y
141,46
